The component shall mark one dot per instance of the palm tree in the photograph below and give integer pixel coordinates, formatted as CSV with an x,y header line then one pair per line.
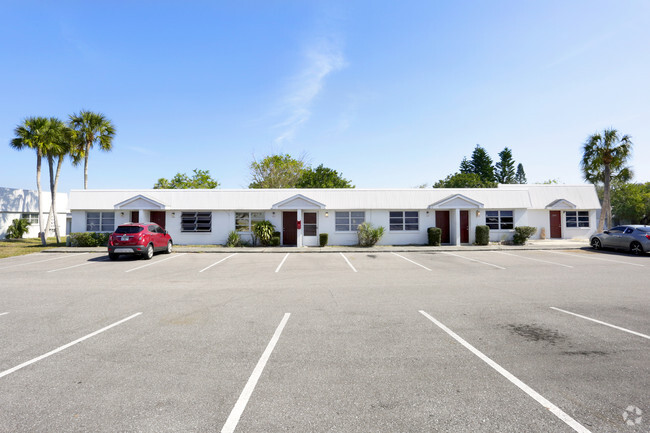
x,y
604,160
59,145
32,134
91,128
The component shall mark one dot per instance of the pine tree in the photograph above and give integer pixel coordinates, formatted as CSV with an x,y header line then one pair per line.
x,y
466,166
520,177
505,168
482,164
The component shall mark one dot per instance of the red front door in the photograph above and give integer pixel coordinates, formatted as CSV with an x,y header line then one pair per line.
x,y
442,222
135,216
158,218
289,228
464,227
556,224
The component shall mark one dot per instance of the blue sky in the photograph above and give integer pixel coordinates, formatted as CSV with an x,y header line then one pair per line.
x,y
390,94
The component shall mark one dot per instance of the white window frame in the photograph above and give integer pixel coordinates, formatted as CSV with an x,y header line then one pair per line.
x,y
103,226
500,223
32,217
395,220
578,220
345,220
251,216
200,219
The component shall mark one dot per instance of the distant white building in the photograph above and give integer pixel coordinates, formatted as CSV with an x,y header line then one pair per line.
x,y
23,204
207,216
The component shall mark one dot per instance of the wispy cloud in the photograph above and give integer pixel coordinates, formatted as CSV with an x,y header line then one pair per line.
x,y
322,59
142,151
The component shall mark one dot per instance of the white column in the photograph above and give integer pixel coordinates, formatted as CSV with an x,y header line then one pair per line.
x,y
299,234
141,217
457,226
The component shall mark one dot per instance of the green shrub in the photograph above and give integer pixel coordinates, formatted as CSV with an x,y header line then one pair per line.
x,y
275,241
522,233
368,235
263,231
435,236
89,239
17,229
482,235
233,240
323,238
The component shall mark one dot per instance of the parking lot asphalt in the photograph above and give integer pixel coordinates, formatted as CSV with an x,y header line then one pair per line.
x,y
370,341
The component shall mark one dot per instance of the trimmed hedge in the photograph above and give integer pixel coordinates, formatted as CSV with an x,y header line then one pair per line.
x,y
435,236
522,233
323,238
88,239
275,241
482,235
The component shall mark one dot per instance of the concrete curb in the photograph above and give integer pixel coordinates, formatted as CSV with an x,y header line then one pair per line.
x,y
543,245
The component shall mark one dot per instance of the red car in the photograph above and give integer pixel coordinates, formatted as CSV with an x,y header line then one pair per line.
x,y
139,238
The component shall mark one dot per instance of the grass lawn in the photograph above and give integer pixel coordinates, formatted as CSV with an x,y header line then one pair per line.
x,y
18,247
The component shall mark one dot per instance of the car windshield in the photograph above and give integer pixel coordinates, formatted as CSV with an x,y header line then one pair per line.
x,y
129,229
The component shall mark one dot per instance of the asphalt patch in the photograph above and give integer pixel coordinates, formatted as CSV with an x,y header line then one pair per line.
x,y
537,333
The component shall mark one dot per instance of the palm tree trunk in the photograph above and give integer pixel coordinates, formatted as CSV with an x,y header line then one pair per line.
x,y
50,163
56,182
40,196
86,165
606,210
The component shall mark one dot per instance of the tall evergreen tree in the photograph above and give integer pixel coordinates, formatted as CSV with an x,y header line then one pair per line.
x,y
520,177
481,164
466,166
505,168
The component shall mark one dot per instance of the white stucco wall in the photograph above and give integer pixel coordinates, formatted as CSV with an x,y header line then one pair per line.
x,y
16,202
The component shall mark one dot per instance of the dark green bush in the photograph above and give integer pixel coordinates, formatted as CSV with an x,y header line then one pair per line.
x,y
522,233
482,235
233,240
263,231
89,239
17,229
435,236
323,238
368,235
275,241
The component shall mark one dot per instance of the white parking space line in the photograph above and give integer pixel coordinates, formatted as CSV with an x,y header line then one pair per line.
x,y
2,314
70,267
602,323
214,264
282,262
575,425
41,261
235,414
415,263
59,349
593,258
155,263
348,262
473,260
530,258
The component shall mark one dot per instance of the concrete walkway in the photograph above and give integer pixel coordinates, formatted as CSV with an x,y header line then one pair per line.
x,y
547,244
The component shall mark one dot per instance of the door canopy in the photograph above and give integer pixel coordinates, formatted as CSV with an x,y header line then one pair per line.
x,y
298,201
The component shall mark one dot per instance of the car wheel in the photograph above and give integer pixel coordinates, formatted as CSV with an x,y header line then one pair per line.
x,y
148,253
113,256
595,243
169,247
636,248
